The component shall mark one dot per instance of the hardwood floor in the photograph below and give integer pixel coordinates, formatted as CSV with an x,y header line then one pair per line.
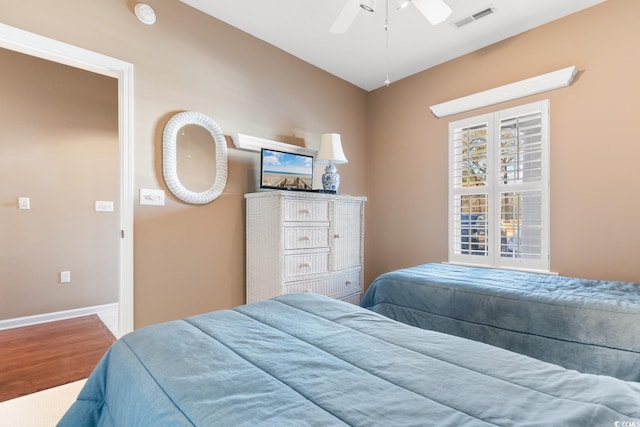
x,y
39,357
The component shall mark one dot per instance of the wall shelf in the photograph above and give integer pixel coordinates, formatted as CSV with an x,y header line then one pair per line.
x,y
254,143
532,86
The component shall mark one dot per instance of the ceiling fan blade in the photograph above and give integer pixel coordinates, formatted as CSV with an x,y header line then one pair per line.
x,y
346,17
436,11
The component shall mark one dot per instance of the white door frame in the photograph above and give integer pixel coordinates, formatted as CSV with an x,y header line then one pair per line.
x,y
42,47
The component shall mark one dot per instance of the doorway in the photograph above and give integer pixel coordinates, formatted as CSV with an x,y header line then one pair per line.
x,y
52,50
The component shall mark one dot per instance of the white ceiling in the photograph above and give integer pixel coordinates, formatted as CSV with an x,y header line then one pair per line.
x,y
360,56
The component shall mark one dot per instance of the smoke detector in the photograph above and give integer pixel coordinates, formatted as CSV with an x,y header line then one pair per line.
x,y
145,13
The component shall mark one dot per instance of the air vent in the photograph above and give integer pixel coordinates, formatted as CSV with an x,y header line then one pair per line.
x,y
474,17
483,13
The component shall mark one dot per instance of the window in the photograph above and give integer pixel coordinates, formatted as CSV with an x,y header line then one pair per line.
x,y
499,188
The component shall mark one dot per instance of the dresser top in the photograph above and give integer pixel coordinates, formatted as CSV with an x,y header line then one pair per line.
x,y
303,195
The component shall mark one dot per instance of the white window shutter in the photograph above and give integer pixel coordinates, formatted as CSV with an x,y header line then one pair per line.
x,y
499,188
470,183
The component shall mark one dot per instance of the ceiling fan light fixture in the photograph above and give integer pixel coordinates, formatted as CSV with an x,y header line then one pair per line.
x,y
368,5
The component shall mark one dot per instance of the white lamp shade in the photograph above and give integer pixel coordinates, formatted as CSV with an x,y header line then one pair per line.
x,y
331,149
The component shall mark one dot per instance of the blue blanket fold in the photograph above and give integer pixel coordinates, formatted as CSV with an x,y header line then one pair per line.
x,y
588,325
308,360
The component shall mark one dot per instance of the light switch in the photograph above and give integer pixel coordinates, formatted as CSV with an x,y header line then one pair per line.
x,y
104,206
151,197
65,277
24,203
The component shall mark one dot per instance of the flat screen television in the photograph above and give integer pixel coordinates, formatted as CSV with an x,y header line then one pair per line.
x,y
286,171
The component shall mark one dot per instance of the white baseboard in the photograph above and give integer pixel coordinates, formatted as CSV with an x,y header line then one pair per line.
x,y
108,313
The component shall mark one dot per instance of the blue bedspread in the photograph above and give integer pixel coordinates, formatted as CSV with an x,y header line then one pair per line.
x,y
307,360
588,325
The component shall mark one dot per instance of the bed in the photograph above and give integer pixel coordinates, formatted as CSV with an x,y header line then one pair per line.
x,y
587,325
308,360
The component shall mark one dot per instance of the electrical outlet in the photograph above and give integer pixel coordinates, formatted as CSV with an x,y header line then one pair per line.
x,y
23,203
65,277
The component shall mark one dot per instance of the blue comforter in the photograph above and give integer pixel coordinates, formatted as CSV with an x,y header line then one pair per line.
x,y
307,360
589,325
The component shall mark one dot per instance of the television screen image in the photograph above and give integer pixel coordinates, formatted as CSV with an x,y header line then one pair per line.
x,y
286,171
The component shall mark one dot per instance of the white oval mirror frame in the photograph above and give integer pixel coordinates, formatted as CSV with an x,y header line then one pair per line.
x,y
169,157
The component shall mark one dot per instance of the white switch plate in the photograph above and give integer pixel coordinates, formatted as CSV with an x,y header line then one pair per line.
x,y
23,203
104,206
151,197
65,277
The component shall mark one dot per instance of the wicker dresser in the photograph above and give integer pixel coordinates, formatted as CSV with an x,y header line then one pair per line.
x,y
304,242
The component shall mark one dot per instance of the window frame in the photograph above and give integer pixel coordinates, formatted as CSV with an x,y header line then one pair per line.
x,y
493,188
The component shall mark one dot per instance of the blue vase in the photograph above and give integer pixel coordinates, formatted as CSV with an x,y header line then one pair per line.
x,y
330,178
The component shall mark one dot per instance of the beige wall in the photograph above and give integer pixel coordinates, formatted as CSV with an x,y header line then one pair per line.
x,y
58,124
190,259
594,150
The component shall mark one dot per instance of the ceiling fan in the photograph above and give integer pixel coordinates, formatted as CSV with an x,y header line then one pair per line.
x,y
436,11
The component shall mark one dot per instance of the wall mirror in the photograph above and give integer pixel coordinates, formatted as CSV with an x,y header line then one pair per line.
x,y
194,157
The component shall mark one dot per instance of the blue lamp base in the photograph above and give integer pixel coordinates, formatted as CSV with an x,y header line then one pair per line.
x,y
331,178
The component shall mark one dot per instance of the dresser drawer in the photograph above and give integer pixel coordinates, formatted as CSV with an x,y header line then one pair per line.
x,y
303,265
303,210
353,298
306,237
334,286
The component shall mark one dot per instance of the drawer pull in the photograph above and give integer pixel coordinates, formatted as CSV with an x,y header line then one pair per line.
x,y
348,282
307,238
336,236
305,211
305,265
